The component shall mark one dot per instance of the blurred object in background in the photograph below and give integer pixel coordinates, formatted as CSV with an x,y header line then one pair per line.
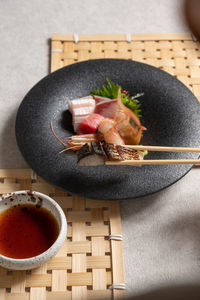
x,y
192,12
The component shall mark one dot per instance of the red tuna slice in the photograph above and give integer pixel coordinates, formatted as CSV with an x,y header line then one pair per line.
x,y
107,109
90,124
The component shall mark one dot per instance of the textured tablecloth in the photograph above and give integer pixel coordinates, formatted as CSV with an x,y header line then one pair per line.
x,y
161,236
161,232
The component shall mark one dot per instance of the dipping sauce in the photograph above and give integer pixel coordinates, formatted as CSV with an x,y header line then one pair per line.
x,y
26,230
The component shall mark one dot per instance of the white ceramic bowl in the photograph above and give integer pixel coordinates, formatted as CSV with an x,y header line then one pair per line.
x,y
27,197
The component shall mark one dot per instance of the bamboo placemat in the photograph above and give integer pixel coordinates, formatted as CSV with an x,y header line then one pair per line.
x,y
178,54
88,265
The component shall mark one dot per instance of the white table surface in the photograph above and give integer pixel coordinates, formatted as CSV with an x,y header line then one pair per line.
x,y
161,232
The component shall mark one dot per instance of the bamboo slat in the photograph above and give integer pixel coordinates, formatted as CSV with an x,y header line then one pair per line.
x,y
38,292
122,37
83,268
116,246
98,249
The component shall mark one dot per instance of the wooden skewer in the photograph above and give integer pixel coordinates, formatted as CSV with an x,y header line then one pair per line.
x,y
154,162
161,148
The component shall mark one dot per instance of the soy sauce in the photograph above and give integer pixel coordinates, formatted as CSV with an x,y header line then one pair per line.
x,y
26,231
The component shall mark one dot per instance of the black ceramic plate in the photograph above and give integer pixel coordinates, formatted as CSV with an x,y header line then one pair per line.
x,y
169,111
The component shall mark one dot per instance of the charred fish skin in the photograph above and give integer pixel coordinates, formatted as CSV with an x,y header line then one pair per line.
x,y
97,148
111,151
101,143
115,152
84,151
119,152
127,153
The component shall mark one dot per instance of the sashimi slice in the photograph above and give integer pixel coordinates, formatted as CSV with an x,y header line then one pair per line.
x,y
81,102
76,121
81,111
90,124
107,109
79,114
81,108
99,99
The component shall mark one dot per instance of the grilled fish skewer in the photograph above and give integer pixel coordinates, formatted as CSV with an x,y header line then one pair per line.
x,y
96,153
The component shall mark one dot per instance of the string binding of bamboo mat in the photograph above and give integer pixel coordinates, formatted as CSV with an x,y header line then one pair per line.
x,y
90,263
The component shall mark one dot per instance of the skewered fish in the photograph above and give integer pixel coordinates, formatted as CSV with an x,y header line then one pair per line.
x,y
107,151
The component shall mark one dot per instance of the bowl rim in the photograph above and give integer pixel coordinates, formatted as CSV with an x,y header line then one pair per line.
x,y
62,231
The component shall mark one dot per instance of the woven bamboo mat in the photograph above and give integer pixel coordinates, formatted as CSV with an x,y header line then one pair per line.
x,y
178,54
88,264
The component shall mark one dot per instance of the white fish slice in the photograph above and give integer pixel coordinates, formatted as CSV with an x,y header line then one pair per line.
x,y
83,111
85,101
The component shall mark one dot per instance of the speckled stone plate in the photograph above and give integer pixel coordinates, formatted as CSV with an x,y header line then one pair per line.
x,y
170,112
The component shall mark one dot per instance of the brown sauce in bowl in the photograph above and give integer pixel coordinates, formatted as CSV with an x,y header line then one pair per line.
x,y
26,230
